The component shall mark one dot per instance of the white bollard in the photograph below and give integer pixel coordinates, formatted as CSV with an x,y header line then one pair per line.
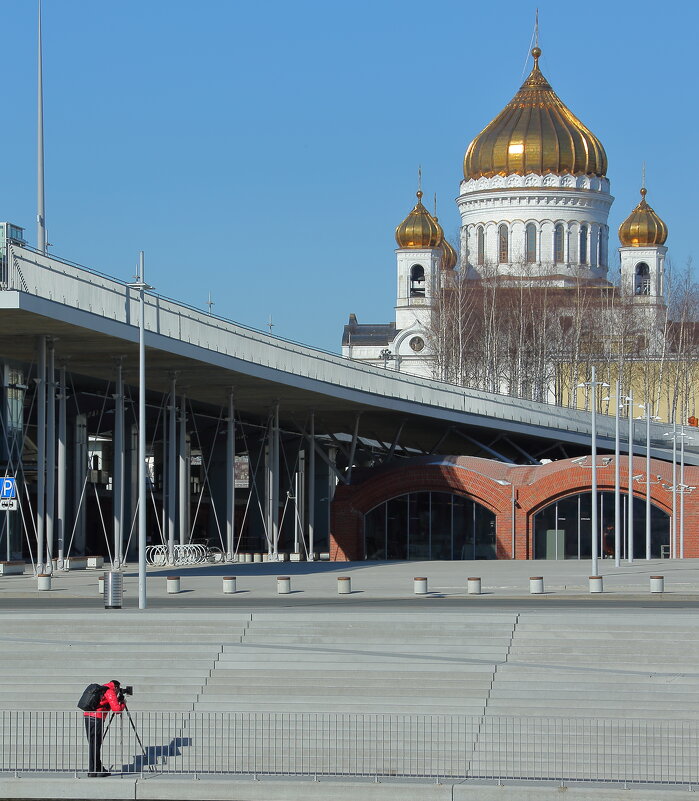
x,y
344,585
596,584
43,581
536,585
173,584
257,557
228,585
420,585
283,585
248,557
657,583
473,585
100,585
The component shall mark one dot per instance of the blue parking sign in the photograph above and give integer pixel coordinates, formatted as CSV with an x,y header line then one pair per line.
x,y
8,488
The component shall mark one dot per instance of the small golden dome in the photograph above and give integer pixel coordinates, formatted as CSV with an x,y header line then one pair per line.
x,y
643,227
535,133
449,257
419,229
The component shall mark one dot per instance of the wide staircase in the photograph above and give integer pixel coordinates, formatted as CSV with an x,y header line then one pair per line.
x,y
579,694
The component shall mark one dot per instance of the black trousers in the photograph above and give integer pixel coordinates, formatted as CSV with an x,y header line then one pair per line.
x,y
94,729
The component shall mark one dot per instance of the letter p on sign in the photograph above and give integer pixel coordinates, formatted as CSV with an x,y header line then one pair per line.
x,y
8,488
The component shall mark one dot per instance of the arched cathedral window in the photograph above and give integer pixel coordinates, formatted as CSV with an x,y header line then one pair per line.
x,y
530,243
417,281
480,245
503,244
558,244
602,249
583,244
642,279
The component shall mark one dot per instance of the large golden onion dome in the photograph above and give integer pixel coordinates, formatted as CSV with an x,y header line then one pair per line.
x,y
419,229
535,133
643,227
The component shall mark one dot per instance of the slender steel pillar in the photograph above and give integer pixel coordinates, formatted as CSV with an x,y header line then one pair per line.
x,y
118,469
50,453
275,481
183,475
299,505
617,480
595,533
311,486
171,451
230,479
142,592
648,410
673,532
61,486
40,206
629,547
40,454
682,489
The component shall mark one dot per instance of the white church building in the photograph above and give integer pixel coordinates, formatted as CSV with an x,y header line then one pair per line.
x,y
534,204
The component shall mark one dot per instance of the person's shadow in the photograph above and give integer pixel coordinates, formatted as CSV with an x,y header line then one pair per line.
x,y
155,752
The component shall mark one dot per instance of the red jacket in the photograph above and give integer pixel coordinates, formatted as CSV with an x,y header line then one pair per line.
x,y
109,702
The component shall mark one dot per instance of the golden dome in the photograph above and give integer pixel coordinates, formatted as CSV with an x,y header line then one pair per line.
x,y
419,229
535,133
449,257
643,227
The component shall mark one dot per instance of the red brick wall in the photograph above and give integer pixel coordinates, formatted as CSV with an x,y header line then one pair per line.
x,y
533,489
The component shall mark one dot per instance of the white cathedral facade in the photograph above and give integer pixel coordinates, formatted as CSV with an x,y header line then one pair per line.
x,y
534,204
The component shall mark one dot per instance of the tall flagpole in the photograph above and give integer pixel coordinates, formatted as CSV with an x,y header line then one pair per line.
x,y
40,210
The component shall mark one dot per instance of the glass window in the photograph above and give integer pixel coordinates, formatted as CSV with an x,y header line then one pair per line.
x,y
429,525
558,244
602,248
480,236
583,244
503,244
375,533
563,529
530,234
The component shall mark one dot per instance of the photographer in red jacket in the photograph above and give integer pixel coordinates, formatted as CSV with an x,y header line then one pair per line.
x,y
111,701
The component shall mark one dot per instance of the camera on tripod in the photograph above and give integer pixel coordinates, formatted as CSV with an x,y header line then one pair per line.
x,y
124,691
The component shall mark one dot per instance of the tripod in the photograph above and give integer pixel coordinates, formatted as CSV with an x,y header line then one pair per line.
x,y
135,731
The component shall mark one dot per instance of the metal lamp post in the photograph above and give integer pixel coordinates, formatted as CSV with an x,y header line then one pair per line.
x,y
648,407
593,384
141,286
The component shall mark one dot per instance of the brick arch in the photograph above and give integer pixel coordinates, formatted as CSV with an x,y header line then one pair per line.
x,y
351,503
525,491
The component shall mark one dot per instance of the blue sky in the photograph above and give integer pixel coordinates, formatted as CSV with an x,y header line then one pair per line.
x,y
265,152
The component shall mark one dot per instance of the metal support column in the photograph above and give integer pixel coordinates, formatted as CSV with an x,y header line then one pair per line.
x,y
274,475
648,507
50,453
171,451
40,453
595,501
141,286
183,475
682,490
311,486
230,479
629,547
61,474
617,491
118,469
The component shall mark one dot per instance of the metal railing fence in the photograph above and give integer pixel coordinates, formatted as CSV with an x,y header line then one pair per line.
x,y
368,745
